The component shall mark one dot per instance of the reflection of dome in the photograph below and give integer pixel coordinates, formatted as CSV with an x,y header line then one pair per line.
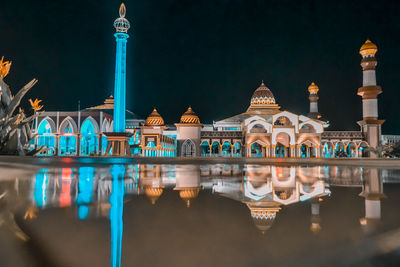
x,y
313,88
262,95
188,194
263,217
368,48
190,117
154,119
153,193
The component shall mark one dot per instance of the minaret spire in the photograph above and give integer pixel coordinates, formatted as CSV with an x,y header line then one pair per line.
x,y
118,140
313,90
369,92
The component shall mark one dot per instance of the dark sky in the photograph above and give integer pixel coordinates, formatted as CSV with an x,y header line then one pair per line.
x,y
211,54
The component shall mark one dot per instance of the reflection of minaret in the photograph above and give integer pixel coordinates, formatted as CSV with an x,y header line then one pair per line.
x,y
151,181
117,206
188,182
315,218
85,191
373,193
118,141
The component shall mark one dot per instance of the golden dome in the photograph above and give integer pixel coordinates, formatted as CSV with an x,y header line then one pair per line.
x,y
263,217
368,48
313,88
262,95
190,117
153,193
188,194
154,119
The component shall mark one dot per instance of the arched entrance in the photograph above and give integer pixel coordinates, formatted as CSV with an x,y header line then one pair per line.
x,y
46,137
67,141
88,139
257,150
282,149
226,149
205,149
188,149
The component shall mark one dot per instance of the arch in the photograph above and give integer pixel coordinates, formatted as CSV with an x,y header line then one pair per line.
x,y
68,121
188,148
94,124
307,128
215,148
226,149
205,149
89,142
104,126
46,138
340,150
260,124
351,150
283,121
362,149
51,128
257,149
327,150
282,149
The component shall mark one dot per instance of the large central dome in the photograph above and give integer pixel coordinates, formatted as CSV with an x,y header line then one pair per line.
x,y
263,99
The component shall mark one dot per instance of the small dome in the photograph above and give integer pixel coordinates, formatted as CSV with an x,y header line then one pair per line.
x,y
153,193
189,194
154,119
368,49
313,88
262,95
263,217
190,117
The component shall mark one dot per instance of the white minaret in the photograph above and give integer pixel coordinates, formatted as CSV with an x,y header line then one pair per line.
x,y
370,125
313,90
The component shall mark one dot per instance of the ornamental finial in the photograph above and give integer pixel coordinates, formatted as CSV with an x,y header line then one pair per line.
x,y
122,11
121,24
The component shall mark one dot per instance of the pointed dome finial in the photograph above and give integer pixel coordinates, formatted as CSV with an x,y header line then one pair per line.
x,y
122,11
121,24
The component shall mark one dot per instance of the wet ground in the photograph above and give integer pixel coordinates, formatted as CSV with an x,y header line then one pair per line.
x,y
99,213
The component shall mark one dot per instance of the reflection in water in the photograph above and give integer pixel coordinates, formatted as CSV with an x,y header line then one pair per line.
x,y
117,206
265,190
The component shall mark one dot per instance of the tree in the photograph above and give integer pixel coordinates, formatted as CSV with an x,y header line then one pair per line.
x,y
15,130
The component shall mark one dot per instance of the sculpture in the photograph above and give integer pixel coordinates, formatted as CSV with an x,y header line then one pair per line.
x,y
15,130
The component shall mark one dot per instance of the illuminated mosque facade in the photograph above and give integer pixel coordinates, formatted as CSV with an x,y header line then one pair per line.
x,y
264,130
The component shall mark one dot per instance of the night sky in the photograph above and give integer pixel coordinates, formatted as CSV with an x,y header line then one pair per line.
x,y
211,54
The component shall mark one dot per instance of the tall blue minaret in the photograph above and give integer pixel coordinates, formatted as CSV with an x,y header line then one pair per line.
x,y
121,25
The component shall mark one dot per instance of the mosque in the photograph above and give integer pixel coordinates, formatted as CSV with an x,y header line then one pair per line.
x,y
263,130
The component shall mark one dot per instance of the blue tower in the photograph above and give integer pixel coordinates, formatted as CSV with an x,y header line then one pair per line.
x,y
118,140
121,25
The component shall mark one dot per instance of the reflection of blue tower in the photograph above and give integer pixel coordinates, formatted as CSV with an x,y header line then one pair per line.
x,y
39,194
121,25
85,191
117,207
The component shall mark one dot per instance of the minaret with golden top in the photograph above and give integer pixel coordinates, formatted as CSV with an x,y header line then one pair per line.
x,y
370,125
313,90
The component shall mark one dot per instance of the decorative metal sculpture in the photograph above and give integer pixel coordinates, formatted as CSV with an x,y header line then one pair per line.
x,y
15,130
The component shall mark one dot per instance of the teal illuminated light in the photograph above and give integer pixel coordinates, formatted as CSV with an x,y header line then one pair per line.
x,y
121,25
116,211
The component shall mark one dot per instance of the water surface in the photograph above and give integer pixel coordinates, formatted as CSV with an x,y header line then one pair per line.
x,y
199,215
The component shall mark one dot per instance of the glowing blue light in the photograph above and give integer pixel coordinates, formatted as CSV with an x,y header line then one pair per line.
x,y
85,191
120,82
117,207
39,194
